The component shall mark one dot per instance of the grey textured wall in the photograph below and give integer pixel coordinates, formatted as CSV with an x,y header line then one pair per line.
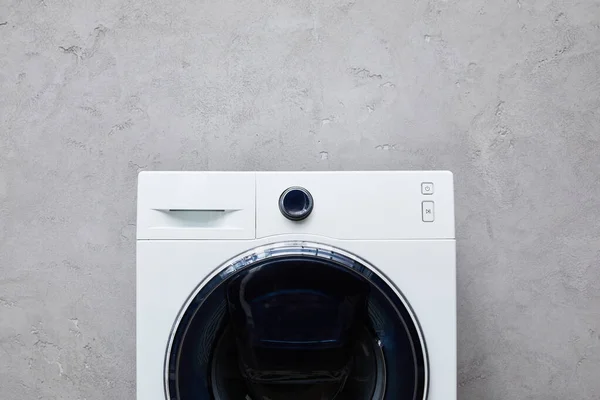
x,y
504,93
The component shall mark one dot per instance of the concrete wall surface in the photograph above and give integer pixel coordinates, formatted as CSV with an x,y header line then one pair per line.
x,y
505,93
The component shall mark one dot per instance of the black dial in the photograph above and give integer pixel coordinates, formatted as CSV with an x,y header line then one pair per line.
x,y
296,203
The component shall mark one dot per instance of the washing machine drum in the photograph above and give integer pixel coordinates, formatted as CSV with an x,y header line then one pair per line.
x,y
296,322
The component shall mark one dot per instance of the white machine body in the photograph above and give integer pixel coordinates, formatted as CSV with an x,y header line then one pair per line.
x,y
191,223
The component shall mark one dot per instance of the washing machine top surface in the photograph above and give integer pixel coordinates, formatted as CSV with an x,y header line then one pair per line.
x,y
285,285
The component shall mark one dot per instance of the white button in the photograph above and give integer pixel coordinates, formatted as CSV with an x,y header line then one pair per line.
x,y
427,188
427,209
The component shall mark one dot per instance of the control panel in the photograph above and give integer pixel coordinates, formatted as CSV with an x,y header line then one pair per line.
x,y
357,205
377,205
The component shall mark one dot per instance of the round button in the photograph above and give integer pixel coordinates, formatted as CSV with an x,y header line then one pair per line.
x,y
296,203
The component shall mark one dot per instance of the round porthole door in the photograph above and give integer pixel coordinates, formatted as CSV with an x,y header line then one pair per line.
x,y
296,321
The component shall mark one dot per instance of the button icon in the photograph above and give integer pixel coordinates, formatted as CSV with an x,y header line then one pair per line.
x,y
427,210
427,188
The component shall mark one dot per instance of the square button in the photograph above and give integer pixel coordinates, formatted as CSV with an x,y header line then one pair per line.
x,y
427,211
427,188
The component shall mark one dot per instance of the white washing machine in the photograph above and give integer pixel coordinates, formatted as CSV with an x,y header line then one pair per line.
x,y
296,286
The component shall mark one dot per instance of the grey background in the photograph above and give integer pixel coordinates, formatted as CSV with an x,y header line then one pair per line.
x,y
506,94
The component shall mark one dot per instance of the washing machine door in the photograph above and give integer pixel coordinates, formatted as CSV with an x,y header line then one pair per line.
x,y
296,321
